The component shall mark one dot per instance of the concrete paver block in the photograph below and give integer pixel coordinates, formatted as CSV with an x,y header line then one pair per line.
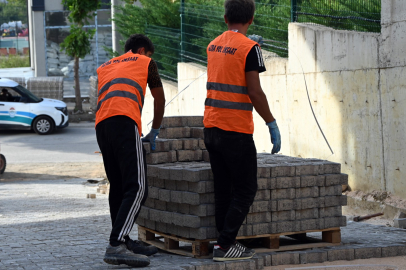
x,y
287,182
162,145
197,187
311,180
309,224
264,172
202,145
306,169
287,193
159,182
283,215
176,196
149,202
144,212
153,193
260,228
185,209
172,121
393,250
307,213
307,192
258,217
335,211
262,195
182,186
164,195
170,184
189,155
283,171
190,144
313,256
206,156
197,132
174,133
331,168
172,207
367,253
160,205
332,222
285,258
342,254
308,203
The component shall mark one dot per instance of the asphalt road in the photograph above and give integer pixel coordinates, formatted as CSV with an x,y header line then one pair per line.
x,y
76,143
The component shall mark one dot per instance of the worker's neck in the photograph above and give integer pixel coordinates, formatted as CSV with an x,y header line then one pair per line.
x,y
239,27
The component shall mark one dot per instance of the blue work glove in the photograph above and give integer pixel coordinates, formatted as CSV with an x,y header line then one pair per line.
x,y
257,39
151,137
275,136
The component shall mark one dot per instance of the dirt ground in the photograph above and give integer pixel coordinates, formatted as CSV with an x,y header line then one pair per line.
x,y
52,171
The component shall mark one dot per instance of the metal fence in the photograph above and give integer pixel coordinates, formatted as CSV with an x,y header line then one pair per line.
x,y
358,15
167,49
202,23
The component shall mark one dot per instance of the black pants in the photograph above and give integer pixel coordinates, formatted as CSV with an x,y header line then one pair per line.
x,y
233,159
126,169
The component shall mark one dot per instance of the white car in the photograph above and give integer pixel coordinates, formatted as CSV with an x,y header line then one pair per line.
x,y
21,109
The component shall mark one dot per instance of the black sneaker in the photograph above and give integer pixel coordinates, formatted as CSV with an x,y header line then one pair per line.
x,y
243,248
139,247
233,253
121,255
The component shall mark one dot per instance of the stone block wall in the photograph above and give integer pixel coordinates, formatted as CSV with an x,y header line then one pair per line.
x,y
46,87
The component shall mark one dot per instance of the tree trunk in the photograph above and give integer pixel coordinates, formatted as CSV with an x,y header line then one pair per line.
x,y
78,106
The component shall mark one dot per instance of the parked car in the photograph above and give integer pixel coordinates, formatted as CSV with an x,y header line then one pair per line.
x,y
21,109
2,163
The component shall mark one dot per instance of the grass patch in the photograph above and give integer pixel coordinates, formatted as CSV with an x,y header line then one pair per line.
x,y
14,61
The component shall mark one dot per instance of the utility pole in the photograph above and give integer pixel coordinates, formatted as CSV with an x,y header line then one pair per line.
x,y
293,11
182,30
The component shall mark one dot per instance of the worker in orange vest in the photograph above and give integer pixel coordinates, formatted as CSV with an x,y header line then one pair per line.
x,y
122,87
233,90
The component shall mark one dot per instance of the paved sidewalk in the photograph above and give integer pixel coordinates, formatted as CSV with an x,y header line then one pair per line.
x,y
50,224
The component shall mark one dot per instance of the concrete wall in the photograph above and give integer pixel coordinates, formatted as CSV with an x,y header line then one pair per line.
x,y
356,85
392,54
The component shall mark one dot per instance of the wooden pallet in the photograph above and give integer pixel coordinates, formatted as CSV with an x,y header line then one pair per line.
x,y
269,242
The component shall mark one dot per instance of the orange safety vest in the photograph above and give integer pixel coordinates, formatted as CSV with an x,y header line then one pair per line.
x,y
228,105
122,87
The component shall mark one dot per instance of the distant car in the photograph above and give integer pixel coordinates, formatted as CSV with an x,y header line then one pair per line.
x,y
21,109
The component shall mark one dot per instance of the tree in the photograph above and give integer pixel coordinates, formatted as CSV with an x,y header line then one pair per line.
x,y
77,44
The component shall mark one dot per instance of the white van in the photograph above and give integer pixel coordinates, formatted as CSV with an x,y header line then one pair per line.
x,y
21,109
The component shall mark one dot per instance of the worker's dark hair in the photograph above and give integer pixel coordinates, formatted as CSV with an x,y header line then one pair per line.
x,y
239,11
136,41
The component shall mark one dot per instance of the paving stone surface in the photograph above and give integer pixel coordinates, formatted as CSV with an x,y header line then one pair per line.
x,y
52,225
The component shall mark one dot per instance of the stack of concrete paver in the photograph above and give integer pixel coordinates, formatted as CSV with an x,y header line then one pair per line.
x,y
294,194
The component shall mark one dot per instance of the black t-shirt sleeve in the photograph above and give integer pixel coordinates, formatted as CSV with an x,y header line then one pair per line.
x,y
255,61
154,80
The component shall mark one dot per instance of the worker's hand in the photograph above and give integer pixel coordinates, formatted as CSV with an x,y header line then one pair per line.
x,y
275,136
151,137
257,39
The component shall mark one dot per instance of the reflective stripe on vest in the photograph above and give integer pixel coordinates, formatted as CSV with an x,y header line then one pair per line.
x,y
119,93
227,88
229,105
123,81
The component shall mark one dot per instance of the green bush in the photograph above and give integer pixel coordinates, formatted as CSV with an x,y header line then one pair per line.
x,y
14,61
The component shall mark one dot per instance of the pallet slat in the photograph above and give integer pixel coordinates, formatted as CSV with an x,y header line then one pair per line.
x,y
271,242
